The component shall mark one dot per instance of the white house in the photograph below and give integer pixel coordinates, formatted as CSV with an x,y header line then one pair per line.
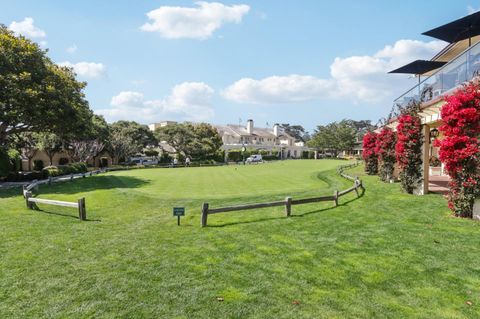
x,y
238,136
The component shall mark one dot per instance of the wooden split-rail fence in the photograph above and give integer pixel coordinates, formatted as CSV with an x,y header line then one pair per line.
x,y
33,201
289,201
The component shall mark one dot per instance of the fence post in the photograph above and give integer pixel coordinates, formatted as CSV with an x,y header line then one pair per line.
x,y
71,177
335,197
82,211
49,180
204,214
288,206
27,196
356,186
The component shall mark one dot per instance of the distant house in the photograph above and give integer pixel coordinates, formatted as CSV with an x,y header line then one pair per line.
x,y
268,139
40,159
154,126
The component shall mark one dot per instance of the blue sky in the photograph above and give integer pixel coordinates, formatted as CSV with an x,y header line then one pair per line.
x,y
298,62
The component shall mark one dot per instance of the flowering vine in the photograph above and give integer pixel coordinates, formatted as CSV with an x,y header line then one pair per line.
x,y
459,149
409,148
369,154
385,149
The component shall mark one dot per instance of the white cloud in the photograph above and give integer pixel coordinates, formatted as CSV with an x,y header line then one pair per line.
x,y
277,89
72,49
195,23
127,99
188,101
27,28
86,69
358,78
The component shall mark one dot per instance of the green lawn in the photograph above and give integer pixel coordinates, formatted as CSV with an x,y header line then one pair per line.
x,y
387,254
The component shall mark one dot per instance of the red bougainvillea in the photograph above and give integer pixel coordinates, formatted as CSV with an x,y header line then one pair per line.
x,y
409,150
385,149
369,154
459,149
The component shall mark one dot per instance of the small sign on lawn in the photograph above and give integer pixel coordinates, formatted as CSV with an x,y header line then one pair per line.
x,y
178,211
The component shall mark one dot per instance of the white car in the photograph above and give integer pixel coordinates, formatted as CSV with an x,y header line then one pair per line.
x,y
255,159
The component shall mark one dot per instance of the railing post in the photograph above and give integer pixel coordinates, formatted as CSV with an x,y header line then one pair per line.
x,y
82,211
335,197
204,214
28,194
288,206
49,180
71,177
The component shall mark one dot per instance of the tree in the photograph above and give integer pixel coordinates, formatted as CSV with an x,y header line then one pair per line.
x,y
459,148
121,146
408,149
140,134
50,143
385,149
37,95
369,155
334,137
92,142
296,131
200,141
206,142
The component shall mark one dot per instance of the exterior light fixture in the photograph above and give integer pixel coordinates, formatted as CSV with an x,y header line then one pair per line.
x,y
434,133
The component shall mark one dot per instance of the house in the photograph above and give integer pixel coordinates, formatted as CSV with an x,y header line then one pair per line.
x,y
153,126
235,137
457,63
38,159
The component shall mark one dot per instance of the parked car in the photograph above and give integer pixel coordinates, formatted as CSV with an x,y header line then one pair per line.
x,y
255,159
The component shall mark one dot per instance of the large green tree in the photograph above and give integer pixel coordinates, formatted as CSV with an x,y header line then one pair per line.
x,y
296,131
36,95
334,137
127,138
198,141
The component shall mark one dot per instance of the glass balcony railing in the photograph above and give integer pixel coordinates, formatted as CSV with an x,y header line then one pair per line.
x,y
461,69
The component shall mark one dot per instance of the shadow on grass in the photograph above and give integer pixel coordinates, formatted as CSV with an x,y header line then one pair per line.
x,y
48,212
291,216
86,184
93,183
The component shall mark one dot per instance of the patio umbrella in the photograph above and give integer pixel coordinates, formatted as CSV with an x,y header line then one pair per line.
x,y
461,29
419,67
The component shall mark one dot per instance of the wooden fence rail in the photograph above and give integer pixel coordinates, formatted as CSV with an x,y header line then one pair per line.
x,y
80,204
288,202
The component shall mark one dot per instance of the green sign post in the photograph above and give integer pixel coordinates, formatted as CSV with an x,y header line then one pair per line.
x,y
178,211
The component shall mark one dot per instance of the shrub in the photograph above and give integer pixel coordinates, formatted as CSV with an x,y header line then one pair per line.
x,y
409,150
385,149
151,152
459,148
369,155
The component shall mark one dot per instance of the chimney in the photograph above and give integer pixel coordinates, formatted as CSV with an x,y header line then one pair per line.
x,y
250,126
276,129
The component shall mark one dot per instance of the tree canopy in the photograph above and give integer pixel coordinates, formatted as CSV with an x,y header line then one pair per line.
x,y
199,141
36,95
335,137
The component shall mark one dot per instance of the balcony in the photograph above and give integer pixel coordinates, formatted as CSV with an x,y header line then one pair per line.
x,y
459,70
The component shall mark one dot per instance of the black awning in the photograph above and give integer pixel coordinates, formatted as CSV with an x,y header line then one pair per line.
x,y
461,29
419,67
